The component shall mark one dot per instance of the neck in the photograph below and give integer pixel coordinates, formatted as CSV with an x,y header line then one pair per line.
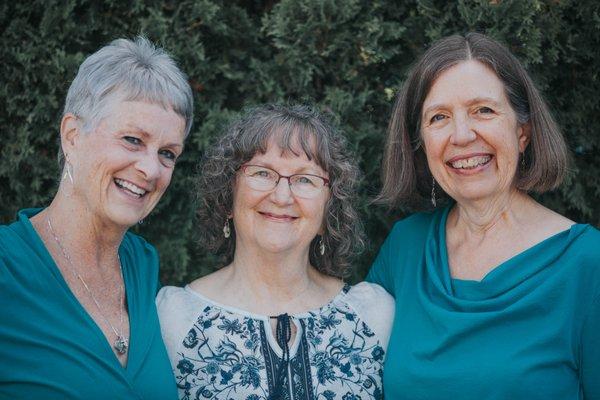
x,y
79,231
277,276
483,217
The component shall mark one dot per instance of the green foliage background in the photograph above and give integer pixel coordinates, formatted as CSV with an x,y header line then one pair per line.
x,y
348,56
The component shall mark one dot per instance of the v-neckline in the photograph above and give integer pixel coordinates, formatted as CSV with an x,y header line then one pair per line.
x,y
25,216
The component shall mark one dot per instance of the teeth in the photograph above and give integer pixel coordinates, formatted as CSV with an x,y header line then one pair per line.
x,y
471,162
130,186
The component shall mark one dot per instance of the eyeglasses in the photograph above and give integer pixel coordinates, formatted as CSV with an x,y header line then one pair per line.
x,y
265,179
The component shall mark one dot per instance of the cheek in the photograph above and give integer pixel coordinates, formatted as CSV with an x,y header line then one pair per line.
x,y
432,147
244,199
317,212
165,180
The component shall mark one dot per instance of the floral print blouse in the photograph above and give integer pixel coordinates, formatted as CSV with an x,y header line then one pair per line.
x,y
220,352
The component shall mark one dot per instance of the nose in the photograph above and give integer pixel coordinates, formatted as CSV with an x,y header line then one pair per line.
x,y
149,166
282,194
464,132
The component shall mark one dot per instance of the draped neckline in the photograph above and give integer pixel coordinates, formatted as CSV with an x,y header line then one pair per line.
x,y
518,274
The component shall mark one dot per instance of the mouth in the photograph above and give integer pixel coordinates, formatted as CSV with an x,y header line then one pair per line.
x,y
469,163
130,188
278,217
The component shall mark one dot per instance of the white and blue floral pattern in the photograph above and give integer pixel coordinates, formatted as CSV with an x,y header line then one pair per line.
x,y
227,355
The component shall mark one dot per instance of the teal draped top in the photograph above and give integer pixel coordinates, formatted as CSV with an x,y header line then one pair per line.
x,y
50,347
530,329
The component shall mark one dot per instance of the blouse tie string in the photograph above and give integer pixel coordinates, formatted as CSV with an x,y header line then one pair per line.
x,y
283,334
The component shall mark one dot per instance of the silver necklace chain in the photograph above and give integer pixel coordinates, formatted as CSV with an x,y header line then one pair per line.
x,y
120,344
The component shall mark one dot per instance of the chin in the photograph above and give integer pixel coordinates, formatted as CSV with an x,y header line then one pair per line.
x,y
477,195
124,218
274,247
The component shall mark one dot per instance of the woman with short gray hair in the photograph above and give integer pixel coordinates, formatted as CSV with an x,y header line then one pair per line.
x,y
276,321
499,296
78,319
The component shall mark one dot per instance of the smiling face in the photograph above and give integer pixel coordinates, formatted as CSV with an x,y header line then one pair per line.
x,y
277,221
123,167
470,133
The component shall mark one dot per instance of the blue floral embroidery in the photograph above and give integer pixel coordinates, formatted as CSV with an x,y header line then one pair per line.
x,y
228,356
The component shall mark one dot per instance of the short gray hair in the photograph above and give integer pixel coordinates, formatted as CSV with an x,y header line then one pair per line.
x,y
248,135
132,70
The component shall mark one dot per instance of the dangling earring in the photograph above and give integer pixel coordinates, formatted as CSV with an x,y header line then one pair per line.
x,y
68,172
321,246
523,161
226,229
433,192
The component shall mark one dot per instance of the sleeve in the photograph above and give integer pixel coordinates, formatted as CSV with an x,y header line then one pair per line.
x,y
177,312
382,271
375,307
590,353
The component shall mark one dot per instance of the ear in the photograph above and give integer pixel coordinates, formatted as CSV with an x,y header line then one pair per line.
x,y
69,133
524,133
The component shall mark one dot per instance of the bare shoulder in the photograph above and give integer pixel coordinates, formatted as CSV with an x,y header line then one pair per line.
x,y
550,222
330,285
210,285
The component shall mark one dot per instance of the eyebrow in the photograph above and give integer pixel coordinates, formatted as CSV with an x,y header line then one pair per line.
x,y
300,171
481,99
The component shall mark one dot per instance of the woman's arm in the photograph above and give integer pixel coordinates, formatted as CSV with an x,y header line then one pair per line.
x,y
381,271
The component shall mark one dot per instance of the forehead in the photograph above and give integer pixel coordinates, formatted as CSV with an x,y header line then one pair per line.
x,y
151,119
465,81
289,154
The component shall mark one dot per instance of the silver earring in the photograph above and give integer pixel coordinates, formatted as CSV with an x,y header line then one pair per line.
x,y
321,246
141,221
523,160
433,192
226,229
68,172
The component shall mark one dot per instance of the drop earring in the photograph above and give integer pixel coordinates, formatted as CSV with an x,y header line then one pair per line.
x,y
321,246
433,201
226,229
68,174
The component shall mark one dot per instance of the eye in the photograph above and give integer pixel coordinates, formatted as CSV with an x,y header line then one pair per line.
x,y
262,173
305,180
485,110
436,118
132,140
168,154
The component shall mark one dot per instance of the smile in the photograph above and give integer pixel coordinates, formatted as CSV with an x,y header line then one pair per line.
x,y
471,162
278,217
130,187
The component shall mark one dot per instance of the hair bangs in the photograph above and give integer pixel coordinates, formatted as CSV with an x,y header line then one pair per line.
x,y
291,135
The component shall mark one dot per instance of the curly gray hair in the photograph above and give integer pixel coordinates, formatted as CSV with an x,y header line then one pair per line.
x,y
248,135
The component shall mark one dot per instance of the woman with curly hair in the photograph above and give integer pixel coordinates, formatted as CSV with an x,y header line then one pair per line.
x,y
277,321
